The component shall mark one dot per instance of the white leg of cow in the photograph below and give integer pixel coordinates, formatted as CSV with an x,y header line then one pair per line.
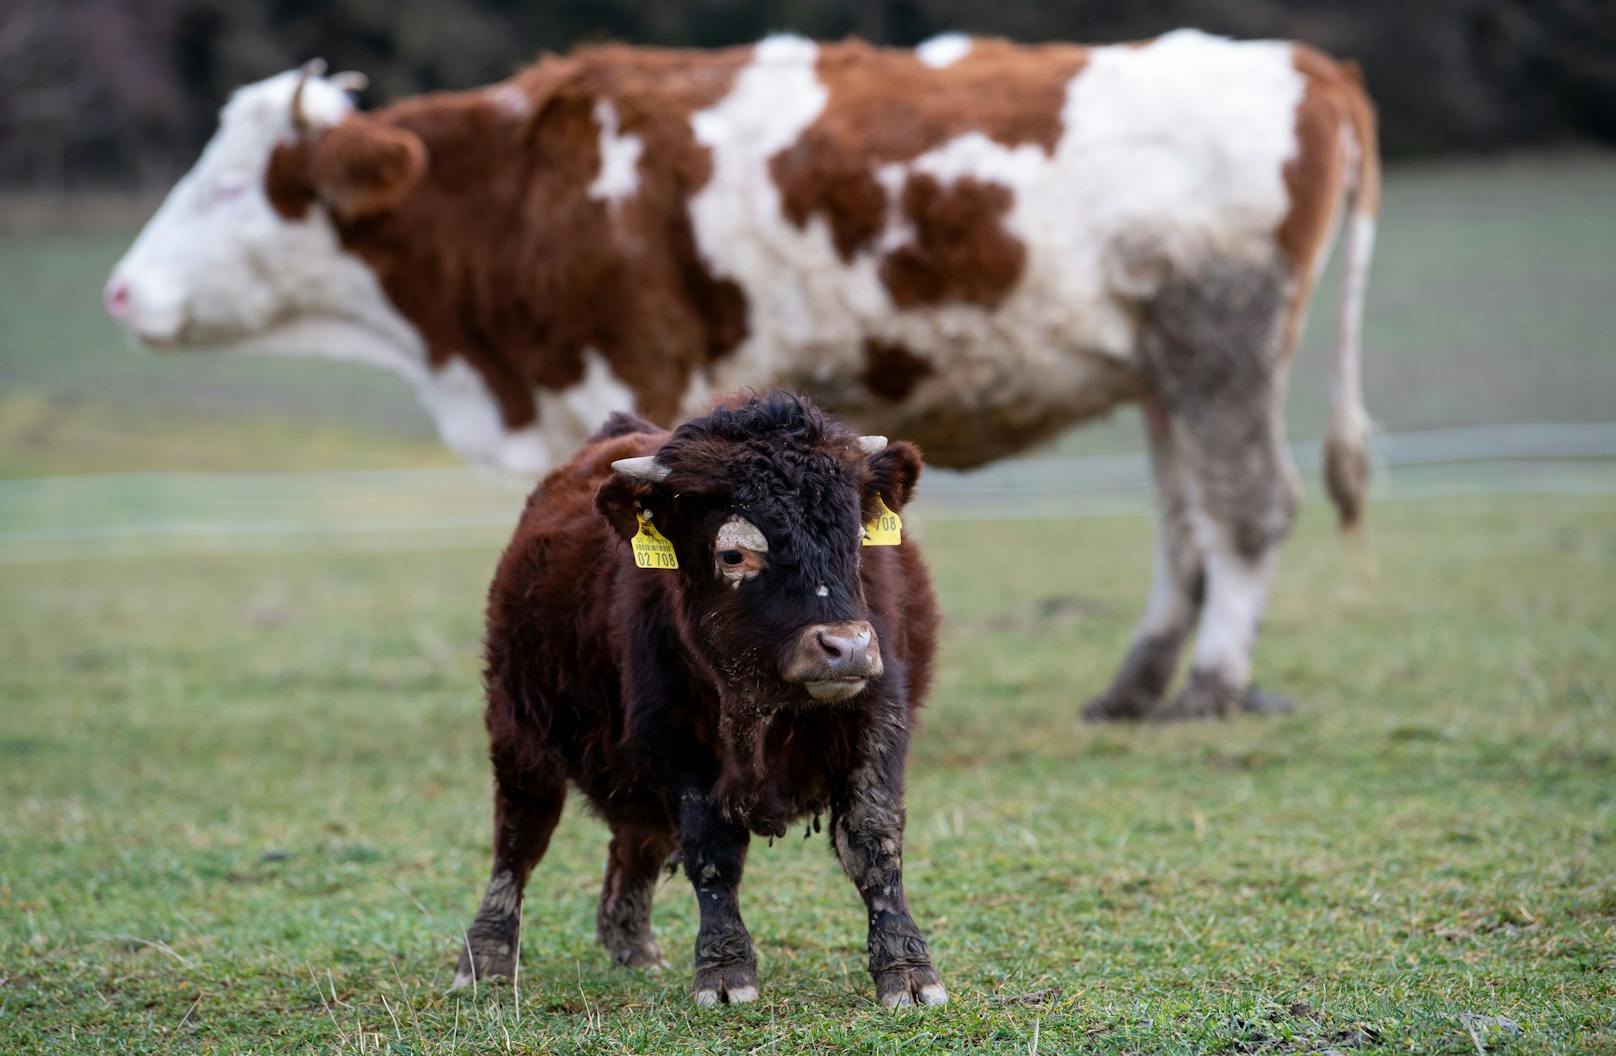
x,y
1238,524
1175,589
1213,349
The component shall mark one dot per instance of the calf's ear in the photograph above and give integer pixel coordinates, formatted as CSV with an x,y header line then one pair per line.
x,y
892,473
363,166
619,501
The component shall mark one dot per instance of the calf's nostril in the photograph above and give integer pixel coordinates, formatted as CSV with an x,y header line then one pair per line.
x,y
836,647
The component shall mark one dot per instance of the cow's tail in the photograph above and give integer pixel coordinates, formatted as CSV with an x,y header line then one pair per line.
x,y
1346,445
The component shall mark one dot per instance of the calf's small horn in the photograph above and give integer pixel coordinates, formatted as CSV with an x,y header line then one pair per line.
x,y
312,68
643,468
871,445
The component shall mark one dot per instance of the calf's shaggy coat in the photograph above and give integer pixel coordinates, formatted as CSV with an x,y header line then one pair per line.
x,y
772,676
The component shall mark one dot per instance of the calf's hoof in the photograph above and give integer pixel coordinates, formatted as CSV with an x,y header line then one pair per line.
x,y
728,984
493,957
644,954
903,987
634,953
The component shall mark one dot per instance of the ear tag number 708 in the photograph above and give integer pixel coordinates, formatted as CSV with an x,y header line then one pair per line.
x,y
651,547
885,528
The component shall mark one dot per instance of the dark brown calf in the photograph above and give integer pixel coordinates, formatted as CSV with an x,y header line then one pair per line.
x,y
772,675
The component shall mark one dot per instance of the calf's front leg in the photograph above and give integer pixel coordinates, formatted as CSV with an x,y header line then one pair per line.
x,y
867,832
714,852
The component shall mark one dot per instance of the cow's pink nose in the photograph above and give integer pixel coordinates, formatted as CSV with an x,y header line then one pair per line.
x,y
116,298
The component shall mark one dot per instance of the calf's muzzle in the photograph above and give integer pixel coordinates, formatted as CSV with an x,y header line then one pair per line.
x,y
834,661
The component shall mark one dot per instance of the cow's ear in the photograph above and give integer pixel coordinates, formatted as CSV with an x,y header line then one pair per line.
x,y
893,472
362,166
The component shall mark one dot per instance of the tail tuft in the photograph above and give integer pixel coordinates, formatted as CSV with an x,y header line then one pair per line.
x,y
1346,471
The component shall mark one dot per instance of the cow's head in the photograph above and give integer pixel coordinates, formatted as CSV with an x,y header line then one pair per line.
x,y
240,246
764,501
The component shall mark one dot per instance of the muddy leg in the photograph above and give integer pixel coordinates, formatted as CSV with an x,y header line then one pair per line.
x,y
714,853
524,820
1175,591
867,831
1214,348
623,923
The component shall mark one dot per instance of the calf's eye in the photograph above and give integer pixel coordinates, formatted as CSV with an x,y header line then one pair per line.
x,y
732,558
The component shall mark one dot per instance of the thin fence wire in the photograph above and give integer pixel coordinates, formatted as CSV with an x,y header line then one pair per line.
x,y
130,514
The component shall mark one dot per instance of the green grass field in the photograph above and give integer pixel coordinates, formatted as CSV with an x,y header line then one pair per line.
x,y
244,800
244,809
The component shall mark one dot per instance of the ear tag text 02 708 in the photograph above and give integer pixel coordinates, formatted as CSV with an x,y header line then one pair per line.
x,y
651,547
885,529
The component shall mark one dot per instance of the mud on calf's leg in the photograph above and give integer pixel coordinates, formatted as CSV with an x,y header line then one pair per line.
x,y
623,922
523,824
714,853
867,832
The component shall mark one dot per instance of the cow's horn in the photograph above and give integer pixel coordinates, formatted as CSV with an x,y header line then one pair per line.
x,y
350,81
312,68
643,468
871,445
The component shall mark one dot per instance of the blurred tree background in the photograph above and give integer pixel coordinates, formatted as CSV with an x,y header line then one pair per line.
x,y
105,94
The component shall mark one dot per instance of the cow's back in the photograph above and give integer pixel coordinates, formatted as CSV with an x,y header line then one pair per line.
x,y
956,252
954,244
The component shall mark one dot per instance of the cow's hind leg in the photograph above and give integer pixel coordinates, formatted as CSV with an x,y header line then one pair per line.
x,y
623,923
1214,351
524,819
1175,591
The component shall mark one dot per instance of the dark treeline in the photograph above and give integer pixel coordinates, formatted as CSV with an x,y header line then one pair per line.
x,y
96,93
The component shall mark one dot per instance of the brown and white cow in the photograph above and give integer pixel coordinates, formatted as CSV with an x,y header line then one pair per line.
x,y
973,245
763,664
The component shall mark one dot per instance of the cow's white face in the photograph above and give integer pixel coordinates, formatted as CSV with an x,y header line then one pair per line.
x,y
217,264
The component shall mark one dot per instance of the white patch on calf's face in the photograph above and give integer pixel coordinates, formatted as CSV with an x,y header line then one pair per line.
x,y
738,550
740,533
619,157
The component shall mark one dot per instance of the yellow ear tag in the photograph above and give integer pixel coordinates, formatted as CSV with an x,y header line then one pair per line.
x,y
651,547
886,529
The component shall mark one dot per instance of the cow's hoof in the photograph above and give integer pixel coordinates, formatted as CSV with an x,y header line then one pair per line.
x,y
733,984
1261,702
903,987
1207,695
1114,706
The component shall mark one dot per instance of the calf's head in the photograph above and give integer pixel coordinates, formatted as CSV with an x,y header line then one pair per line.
x,y
245,242
764,502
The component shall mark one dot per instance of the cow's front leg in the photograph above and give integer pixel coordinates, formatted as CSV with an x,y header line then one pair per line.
x,y
867,831
714,852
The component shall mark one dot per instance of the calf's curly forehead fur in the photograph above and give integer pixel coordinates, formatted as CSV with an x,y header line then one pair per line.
x,y
779,462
